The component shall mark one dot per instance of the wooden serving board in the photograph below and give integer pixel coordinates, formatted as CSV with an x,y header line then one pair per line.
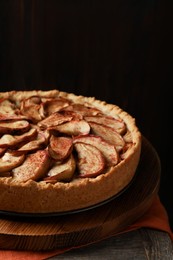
x,y
52,232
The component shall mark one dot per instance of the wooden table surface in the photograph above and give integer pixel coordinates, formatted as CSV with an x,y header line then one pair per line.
x,y
139,244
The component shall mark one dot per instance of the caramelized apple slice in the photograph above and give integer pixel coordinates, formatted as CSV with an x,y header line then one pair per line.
x,y
12,117
55,104
36,144
60,147
62,172
108,134
74,127
116,124
108,150
90,160
28,136
126,151
128,137
9,141
33,108
75,115
84,110
9,161
20,126
37,164
6,107
54,120
44,134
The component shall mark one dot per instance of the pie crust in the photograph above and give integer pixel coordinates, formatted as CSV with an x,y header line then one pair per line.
x,y
41,196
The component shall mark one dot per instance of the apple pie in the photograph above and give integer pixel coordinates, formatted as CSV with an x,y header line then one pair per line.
x,y
61,152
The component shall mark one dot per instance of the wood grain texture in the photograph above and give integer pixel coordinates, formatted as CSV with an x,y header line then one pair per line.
x,y
44,233
142,244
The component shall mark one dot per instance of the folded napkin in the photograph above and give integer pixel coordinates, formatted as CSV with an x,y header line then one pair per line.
x,y
156,218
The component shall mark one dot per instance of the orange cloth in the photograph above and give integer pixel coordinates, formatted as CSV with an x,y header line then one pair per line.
x,y
156,217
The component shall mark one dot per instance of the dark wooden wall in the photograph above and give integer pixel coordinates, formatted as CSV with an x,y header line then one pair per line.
x,y
115,50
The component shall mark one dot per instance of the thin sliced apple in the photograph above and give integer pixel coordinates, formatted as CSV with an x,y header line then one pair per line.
x,y
108,134
9,161
55,104
34,145
9,141
6,107
108,150
32,100
116,124
45,134
75,115
54,120
60,147
74,127
37,164
41,111
33,108
28,136
62,172
126,151
12,117
8,127
128,137
90,161
84,110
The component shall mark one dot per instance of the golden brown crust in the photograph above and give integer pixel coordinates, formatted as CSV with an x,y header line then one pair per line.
x,y
42,197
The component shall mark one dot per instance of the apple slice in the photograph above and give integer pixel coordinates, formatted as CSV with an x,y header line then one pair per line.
x,y
108,134
20,126
90,161
9,161
6,107
62,172
108,150
9,141
8,111
126,151
75,115
74,127
116,124
45,134
32,108
128,137
54,120
37,164
60,147
55,105
12,117
84,110
28,136
36,144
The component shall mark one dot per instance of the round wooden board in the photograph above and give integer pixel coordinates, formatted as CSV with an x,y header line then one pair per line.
x,y
47,233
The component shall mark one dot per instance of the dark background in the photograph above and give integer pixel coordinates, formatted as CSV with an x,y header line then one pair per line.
x,y
119,51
